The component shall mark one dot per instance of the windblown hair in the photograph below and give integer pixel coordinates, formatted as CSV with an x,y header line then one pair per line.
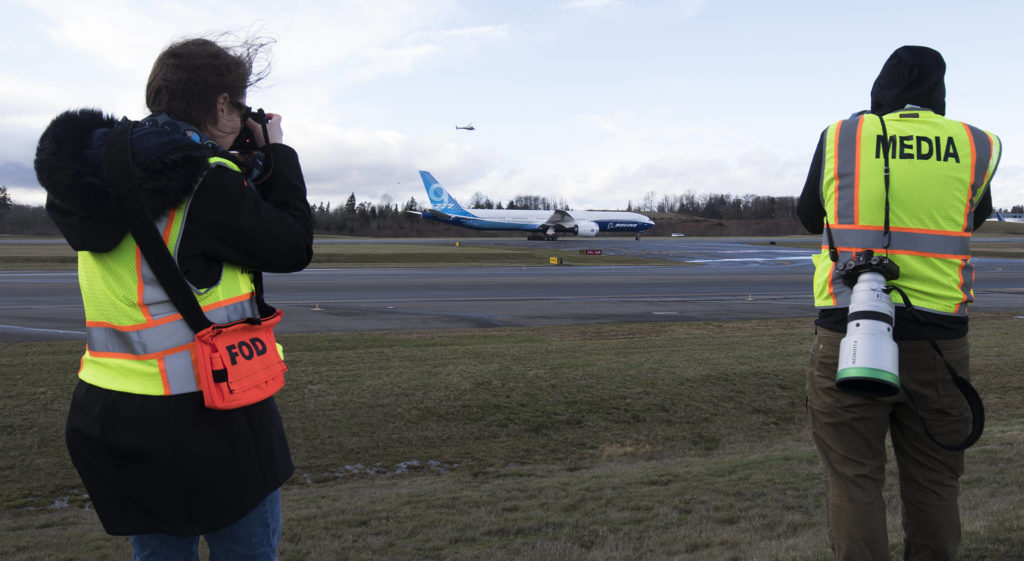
x,y
188,76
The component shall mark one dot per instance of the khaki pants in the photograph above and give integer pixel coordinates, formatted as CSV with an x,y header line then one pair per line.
x,y
849,432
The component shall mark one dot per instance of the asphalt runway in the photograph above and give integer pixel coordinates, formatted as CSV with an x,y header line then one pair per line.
x,y
716,279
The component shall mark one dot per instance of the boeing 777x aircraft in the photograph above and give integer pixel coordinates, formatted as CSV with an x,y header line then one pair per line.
x,y
541,224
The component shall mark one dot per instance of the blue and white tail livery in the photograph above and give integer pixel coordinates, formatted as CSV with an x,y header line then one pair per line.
x,y
540,224
439,198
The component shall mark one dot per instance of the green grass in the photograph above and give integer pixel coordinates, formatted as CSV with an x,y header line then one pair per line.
x,y
466,253
597,442
57,255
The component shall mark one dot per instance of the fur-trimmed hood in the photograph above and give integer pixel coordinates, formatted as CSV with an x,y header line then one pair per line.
x,y
69,165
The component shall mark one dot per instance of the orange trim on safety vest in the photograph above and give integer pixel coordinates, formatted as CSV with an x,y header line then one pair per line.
x,y
228,302
856,173
892,251
166,319
831,286
988,170
137,326
970,184
161,365
952,233
149,356
960,286
835,172
169,226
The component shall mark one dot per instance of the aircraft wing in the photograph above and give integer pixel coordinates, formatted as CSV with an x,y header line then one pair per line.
x,y
560,218
437,213
450,218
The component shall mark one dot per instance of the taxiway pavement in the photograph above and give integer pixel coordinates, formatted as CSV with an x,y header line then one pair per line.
x,y
716,279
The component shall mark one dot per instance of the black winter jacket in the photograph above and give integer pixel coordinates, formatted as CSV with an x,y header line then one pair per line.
x,y
167,464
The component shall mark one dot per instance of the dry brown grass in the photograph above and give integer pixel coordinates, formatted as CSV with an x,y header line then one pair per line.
x,y
609,442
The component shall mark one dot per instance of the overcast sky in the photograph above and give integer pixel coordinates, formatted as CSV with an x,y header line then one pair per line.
x,y
597,102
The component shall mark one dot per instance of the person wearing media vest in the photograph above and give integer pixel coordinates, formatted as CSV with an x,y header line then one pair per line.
x,y
939,175
158,464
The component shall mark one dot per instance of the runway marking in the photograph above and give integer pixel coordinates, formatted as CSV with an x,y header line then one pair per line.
x,y
752,259
676,297
22,328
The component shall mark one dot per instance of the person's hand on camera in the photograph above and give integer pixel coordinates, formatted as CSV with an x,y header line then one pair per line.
x,y
274,133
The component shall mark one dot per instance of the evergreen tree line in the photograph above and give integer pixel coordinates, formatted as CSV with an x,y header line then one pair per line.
x,y
720,207
519,202
23,219
388,218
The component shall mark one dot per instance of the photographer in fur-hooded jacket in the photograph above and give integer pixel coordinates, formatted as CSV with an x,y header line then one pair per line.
x,y
159,466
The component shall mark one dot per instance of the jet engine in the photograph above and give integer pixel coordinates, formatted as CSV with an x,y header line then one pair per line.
x,y
585,228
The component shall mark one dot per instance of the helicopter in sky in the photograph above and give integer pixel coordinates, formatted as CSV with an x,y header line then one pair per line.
x,y
466,127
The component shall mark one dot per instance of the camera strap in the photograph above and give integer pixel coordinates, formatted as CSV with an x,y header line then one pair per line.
x,y
885,175
962,384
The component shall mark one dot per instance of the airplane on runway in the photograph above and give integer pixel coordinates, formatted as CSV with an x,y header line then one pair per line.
x,y
541,224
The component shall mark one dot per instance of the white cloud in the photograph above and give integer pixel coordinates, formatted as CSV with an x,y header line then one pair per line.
x,y
594,101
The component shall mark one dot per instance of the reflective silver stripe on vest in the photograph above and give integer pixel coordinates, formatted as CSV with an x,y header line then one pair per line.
x,y
180,376
842,292
153,295
956,247
161,337
839,288
967,288
846,170
982,158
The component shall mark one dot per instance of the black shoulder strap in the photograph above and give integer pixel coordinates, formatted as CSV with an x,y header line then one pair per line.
x,y
886,233
963,384
117,167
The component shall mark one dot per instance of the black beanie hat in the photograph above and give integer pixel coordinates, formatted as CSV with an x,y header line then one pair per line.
x,y
912,75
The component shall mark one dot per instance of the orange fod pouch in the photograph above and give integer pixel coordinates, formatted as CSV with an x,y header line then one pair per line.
x,y
238,363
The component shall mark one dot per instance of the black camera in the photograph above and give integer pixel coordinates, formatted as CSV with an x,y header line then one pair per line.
x,y
864,262
245,142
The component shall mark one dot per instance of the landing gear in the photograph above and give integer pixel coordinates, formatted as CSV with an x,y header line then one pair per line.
x,y
543,237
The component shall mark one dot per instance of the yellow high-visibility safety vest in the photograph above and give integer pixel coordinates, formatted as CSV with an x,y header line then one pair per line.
x,y
939,170
136,341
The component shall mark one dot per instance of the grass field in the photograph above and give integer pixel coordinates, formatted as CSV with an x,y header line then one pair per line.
x,y
450,255
57,255
598,442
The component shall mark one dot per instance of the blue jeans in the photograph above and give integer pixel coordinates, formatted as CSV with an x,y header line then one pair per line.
x,y
253,538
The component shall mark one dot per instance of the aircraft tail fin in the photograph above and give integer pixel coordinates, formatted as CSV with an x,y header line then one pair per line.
x,y
439,198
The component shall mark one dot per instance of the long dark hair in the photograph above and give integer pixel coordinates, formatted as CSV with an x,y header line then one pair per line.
x,y
188,76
